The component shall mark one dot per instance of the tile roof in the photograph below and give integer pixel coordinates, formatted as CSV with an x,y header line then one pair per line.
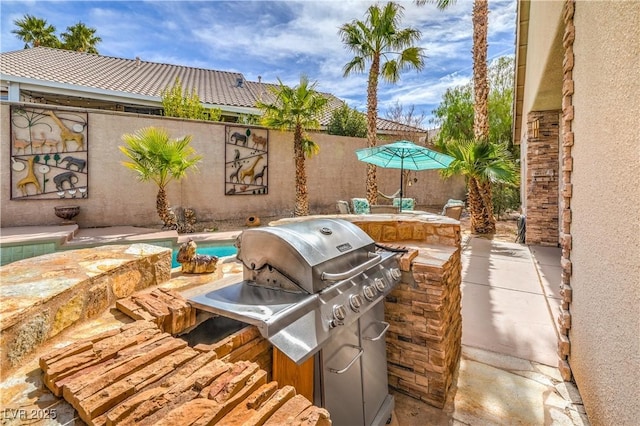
x,y
147,79
131,76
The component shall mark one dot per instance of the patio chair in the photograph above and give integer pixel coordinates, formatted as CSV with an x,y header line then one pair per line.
x,y
362,206
453,209
343,207
407,203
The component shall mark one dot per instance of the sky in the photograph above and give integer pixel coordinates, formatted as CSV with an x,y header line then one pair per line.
x,y
279,39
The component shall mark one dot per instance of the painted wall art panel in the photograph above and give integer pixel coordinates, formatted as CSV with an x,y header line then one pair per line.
x,y
48,154
246,154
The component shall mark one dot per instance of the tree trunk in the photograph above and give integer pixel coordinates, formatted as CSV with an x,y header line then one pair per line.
x,y
302,196
372,117
482,219
480,82
485,221
489,225
162,207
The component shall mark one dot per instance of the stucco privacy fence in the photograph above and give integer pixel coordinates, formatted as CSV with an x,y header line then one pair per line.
x,y
113,196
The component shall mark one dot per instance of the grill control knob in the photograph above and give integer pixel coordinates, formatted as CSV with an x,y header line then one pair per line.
x,y
339,313
380,284
395,273
369,293
355,301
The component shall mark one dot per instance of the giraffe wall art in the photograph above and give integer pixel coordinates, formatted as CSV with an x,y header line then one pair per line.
x,y
49,153
246,154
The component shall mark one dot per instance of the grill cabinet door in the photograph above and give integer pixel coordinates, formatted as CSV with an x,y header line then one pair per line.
x,y
374,361
342,392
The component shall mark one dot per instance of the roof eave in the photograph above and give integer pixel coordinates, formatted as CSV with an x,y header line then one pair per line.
x,y
107,95
522,39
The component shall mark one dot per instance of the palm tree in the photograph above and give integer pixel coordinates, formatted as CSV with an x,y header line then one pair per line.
x,y
80,38
482,163
296,109
379,40
35,32
480,20
155,157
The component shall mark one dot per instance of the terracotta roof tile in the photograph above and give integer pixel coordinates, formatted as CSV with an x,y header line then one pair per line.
x,y
142,78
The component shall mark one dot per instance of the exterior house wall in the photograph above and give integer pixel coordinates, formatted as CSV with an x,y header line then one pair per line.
x,y
117,198
599,97
605,226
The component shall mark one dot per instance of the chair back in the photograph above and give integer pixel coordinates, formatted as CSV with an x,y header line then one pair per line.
x,y
343,207
454,211
407,203
361,206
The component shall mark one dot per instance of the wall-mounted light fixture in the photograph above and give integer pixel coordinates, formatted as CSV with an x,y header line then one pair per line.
x,y
535,128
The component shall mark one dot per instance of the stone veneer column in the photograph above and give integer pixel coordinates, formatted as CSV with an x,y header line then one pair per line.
x,y
564,318
424,340
542,178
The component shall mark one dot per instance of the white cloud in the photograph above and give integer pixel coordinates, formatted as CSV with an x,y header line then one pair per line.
x,y
277,39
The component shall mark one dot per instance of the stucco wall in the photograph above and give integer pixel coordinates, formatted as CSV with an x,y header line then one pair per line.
x,y
605,342
117,198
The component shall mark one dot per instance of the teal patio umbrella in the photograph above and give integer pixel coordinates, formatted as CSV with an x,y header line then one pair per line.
x,y
404,155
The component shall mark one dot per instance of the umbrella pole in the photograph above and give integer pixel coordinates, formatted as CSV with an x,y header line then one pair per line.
x,y
401,181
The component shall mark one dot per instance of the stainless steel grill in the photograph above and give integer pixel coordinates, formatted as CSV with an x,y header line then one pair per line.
x,y
316,288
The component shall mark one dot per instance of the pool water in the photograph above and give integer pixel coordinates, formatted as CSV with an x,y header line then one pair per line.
x,y
218,251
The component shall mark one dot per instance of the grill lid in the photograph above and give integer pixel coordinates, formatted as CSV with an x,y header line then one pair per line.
x,y
311,253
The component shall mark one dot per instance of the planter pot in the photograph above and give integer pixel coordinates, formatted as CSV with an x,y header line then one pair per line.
x,y
67,213
252,221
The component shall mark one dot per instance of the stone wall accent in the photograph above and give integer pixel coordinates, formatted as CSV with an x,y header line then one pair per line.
x,y
424,340
427,229
45,295
542,178
564,318
139,375
167,309
247,345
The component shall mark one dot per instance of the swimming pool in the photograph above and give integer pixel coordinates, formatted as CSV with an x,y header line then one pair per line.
x,y
216,250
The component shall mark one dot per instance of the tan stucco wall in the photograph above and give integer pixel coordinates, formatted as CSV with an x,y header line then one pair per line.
x,y
605,332
117,198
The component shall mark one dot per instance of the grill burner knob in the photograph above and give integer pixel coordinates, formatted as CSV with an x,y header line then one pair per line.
x,y
355,301
395,273
369,292
339,313
380,284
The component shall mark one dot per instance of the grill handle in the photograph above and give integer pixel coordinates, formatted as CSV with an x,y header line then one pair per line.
x,y
355,358
375,259
379,336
